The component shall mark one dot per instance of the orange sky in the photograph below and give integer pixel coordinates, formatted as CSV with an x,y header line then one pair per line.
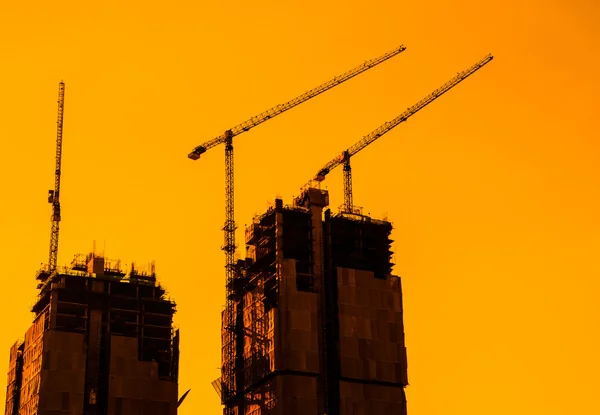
x,y
492,189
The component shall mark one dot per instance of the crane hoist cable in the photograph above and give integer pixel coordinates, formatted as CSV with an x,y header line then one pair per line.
x,y
344,157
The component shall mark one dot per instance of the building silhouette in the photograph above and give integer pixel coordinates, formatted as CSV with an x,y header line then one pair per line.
x,y
102,342
317,316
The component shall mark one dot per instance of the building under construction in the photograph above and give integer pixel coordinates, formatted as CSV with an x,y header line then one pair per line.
x,y
102,342
313,318
317,321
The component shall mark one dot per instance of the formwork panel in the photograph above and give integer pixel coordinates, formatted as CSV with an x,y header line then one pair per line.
x,y
366,399
371,327
299,324
135,387
296,395
63,372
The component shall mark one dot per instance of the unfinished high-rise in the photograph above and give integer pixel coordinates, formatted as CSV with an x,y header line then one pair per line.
x,y
102,343
317,316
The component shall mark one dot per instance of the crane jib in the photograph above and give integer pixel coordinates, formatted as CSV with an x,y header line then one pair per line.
x,y
388,126
281,108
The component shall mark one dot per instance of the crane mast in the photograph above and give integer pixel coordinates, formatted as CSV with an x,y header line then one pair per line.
x,y
348,203
229,247
230,227
344,157
54,195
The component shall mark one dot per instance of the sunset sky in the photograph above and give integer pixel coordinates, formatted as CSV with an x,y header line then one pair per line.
x,y
492,189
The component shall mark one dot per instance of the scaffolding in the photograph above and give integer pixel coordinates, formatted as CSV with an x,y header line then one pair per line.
x,y
362,243
247,325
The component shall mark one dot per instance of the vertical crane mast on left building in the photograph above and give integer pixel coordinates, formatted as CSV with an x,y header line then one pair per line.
x,y
54,195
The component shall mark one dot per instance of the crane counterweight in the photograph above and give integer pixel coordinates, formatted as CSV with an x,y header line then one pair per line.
x,y
195,154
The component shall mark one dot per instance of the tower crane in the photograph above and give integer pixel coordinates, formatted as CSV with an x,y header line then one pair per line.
x,y
344,157
54,195
227,139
